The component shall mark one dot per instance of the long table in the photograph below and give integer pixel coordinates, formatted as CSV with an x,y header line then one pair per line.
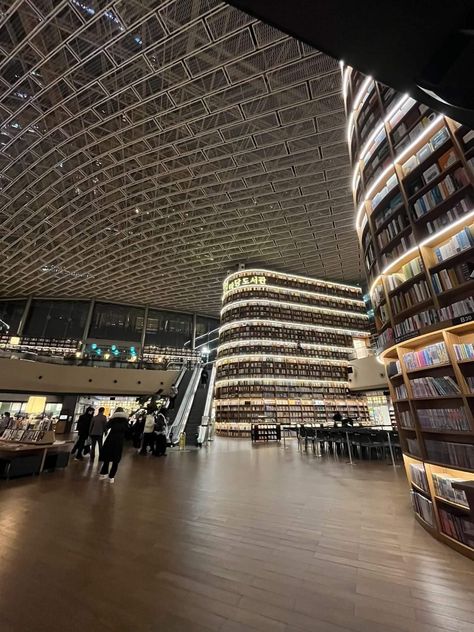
x,y
10,451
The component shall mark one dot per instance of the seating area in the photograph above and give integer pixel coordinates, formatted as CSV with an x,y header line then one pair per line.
x,y
365,443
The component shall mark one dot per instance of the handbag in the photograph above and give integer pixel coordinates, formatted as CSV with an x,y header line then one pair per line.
x,y
87,446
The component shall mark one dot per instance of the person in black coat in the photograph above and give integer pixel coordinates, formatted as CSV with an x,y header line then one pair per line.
x,y
115,430
83,427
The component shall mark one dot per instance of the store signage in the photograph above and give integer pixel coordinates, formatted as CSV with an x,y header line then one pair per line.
x,y
241,281
467,318
411,334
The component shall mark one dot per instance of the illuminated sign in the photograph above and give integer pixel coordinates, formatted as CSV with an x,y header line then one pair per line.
x,y
253,280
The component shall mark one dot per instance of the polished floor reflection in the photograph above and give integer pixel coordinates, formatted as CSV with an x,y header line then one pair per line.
x,y
229,539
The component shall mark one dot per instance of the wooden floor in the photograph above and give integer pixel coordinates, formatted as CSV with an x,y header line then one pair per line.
x,y
231,539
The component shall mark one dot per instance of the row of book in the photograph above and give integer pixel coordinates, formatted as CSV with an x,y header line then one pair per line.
x,y
416,322
389,186
410,112
449,278
292,314
418,476
458,309
448,453
444,419
393,205
430,386
444,489
416,293
287,334
401,391
385,339
423,507
456,212
438,139
406,420
458,243
440,192
457,527
428,356
464,351
24,436
392,230
407,272
30,424
413,447
470,382
402,246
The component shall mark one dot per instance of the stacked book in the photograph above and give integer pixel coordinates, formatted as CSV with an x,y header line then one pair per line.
x,y
416,322
429,356
438,139
458,454
391,183
443,419
460,308
464,351
417,293
423,507
395,203
406,420
392,230
447,279
385,339
441,191
444,489
457,527
402,246
459,242
434,386
418,476
408,271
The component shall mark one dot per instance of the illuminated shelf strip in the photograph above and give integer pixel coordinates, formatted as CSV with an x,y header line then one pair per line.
x,y
283,290
279,343
292,325
276,380
296,306
359,100
426,242
283,275
262,357
391,166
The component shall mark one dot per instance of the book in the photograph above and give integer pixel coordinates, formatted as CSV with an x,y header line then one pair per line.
x,y
431,386
428,356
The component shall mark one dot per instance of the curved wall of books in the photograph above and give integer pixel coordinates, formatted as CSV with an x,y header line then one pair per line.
x,y
284,345
413,190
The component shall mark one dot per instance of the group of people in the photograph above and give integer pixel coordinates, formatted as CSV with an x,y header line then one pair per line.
x,y
109,435
154,432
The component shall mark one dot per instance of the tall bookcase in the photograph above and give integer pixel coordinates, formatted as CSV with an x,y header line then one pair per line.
x,y
413,187
284,346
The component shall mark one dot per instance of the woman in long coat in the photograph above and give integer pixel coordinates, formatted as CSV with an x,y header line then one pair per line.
x,y
115,431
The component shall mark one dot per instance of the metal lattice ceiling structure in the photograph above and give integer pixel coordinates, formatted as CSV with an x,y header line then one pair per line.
x,y
148,147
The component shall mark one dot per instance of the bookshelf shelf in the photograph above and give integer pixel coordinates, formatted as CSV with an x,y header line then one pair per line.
x,y
419,218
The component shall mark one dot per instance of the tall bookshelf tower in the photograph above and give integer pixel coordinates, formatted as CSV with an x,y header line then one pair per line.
x,y
413,186
283,352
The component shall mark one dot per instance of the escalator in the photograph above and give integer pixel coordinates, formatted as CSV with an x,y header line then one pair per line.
x,y
195,414
181,384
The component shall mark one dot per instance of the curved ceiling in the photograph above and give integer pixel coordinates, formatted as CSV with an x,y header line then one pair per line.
x,y
148,147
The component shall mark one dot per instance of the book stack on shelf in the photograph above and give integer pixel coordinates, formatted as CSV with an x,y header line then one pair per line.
x,y
284,348
418,217
443,486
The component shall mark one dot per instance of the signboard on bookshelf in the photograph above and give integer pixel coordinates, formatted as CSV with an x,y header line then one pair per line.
x,y
460,320
411,334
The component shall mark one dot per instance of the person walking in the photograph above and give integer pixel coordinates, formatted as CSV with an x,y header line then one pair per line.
x,y
161,427
115,429
204,377
4,421
97,430
148,433
83,428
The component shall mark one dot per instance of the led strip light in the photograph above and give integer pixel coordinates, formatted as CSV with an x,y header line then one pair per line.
x,y
283,290
391,166
357,102
257,357
270,342
296,306
281,323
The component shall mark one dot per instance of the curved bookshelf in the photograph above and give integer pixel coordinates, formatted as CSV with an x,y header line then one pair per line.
x,y
284,347
413,187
